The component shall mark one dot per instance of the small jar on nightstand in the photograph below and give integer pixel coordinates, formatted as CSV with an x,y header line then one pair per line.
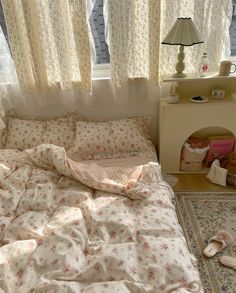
x,y
173,97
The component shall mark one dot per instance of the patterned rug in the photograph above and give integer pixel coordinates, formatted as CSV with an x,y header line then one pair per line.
x,y
201,215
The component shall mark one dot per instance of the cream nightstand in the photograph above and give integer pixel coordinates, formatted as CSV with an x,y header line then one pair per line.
x,y
178,121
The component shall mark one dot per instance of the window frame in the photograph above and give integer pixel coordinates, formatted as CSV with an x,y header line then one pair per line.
x,y
101,71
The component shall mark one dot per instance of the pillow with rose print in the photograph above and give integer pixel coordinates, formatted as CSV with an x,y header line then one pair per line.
x,y
60,132
22,134
92,141
112,139
131,137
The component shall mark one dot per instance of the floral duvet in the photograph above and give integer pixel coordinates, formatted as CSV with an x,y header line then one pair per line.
x,y
78,227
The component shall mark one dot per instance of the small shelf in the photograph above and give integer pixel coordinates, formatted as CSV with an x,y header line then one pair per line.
x,y
186,101
195,76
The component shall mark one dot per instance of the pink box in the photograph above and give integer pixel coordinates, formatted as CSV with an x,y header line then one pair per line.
x,y
219,146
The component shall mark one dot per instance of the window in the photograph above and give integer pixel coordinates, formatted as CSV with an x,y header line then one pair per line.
x,y
232,30
3,24
97,27
7,68
98,31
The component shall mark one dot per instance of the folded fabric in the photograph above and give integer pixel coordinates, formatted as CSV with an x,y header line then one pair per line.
x,y
217,174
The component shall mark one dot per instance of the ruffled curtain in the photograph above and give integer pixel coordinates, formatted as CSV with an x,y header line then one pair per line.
x,y
135,29
50,44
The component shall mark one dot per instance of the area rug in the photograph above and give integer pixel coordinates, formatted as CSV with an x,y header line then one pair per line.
x,y
201,215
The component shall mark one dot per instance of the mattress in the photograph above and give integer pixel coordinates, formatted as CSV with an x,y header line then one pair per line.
x,y
91,226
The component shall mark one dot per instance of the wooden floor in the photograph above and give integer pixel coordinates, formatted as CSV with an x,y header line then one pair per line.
x,y
197,182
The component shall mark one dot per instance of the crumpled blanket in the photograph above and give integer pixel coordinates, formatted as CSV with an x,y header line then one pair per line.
x,y
76,227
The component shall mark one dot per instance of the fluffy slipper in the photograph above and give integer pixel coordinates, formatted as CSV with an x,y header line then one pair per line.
x,y
217,243
228,261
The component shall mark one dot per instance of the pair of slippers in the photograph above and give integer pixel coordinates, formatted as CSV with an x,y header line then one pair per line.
x,y
217,243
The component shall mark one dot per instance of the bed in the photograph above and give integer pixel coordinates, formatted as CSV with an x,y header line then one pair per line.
x,y
84,208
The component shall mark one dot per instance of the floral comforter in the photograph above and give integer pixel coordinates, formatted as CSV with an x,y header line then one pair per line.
x,y
78,227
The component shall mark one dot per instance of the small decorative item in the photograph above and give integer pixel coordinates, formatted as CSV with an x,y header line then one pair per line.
x,y
173,98
218,94
204,65
226,68
230,163
199,99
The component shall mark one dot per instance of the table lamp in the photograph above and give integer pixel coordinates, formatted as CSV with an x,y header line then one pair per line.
x,y
183,33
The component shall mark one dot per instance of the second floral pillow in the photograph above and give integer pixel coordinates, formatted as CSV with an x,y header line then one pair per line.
x,y
112,139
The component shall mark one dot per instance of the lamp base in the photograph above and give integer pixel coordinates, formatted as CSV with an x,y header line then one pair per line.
x,y
179,75
179,67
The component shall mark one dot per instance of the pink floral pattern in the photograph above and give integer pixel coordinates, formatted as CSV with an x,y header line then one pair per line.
x,y
22,134
27,132
131,136
60,132
112,139
92,141
60,235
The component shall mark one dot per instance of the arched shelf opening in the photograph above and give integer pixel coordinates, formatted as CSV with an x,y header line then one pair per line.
x,y
197,160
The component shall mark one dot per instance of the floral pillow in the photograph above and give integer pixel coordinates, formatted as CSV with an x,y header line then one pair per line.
x,y
131,136
26,131
93,140
22,134
112,139
60,132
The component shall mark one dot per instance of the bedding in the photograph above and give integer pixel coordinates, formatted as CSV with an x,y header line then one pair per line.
x,y
24,132
69,226
112,139
60,132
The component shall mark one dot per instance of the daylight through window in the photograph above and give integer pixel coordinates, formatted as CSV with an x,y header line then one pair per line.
x,y
233,30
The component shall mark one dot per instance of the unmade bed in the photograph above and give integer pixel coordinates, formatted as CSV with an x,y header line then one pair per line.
x,y
74,220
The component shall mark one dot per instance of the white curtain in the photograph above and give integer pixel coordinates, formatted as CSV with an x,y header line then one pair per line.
x,y
50,44
137,27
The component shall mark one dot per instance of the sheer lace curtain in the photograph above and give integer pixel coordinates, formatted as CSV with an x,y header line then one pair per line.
x,y
212,19
137,27
50,45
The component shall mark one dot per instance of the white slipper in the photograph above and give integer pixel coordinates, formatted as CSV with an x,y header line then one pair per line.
x,y
217,243
228,261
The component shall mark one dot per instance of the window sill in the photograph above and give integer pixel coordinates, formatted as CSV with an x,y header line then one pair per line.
x,y
195,76
101,72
